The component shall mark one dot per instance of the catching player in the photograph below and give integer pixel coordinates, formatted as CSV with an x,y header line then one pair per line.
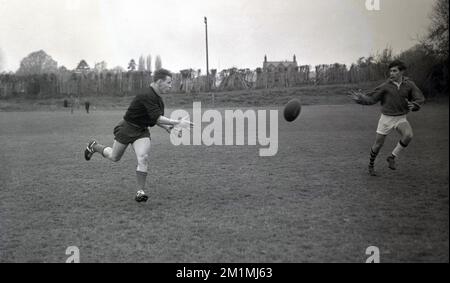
x,y
398,96
146,110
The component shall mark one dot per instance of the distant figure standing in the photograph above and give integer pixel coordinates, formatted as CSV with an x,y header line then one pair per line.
x,y
77,103
72,104
87,104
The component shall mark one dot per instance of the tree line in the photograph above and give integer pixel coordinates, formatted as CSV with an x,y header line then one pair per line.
x,y
39,75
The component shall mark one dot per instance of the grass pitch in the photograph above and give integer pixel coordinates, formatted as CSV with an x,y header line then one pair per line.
x,y
312,202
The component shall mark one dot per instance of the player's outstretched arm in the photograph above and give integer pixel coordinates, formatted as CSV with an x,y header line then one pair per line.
x,y
182,123
364,98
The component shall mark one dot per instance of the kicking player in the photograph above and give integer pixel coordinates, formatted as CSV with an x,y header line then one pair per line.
x,y
398,96
146,110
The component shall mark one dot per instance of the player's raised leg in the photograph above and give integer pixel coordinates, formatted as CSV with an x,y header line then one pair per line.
x,y
406,132
376,147
113,153
142,149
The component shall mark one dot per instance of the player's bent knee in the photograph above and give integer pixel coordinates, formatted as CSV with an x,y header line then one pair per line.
x,y
115,158
407,137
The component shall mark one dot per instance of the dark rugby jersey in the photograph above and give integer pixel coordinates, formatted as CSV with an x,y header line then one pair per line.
x,y
394,99
145,109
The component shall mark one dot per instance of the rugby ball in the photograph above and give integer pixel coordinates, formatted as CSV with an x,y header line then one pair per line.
x,y
291,110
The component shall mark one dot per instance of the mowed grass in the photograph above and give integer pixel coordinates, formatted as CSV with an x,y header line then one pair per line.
x,y
312,202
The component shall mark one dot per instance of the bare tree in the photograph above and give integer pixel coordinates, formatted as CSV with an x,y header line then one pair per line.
x,y
369,60
437,38
158,63
101,66
141,64
37,62
62,69
385,57
149,63
382,61
361,62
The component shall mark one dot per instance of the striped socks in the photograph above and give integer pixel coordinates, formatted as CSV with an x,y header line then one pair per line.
x,y
373,156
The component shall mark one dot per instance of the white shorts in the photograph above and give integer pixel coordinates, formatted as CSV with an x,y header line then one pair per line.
x,y
389,123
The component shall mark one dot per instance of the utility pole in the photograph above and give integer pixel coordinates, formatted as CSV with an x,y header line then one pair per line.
x,y
207,59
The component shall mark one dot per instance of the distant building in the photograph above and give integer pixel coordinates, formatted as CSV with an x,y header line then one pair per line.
x,y
280,66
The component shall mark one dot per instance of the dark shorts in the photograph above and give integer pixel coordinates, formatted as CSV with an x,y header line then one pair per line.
x,y
126,133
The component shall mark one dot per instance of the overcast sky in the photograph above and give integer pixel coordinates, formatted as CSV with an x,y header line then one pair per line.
x,y
241,32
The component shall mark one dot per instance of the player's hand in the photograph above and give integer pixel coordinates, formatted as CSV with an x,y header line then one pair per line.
x,y
169,128
186,124
412,106
356,95
178,131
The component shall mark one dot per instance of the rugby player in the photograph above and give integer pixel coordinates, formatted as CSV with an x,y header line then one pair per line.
x,y
398,96
146,110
